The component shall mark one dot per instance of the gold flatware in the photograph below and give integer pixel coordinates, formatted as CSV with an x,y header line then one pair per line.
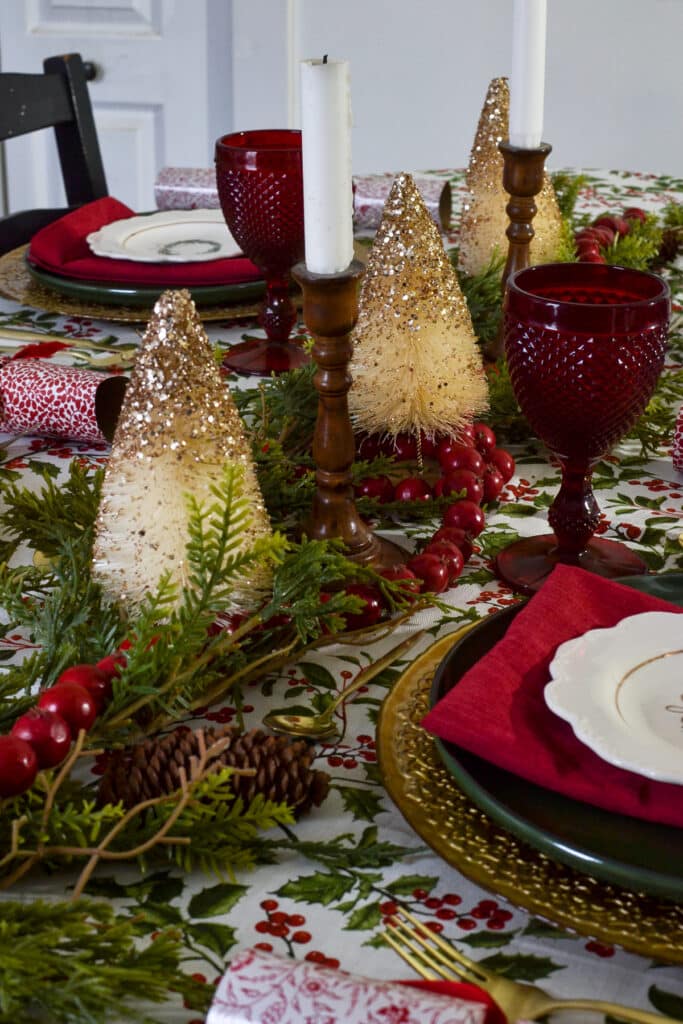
x,y
432,957
318,726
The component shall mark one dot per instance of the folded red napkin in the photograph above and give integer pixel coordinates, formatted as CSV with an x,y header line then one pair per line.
x,y
261,988
498,712
61,248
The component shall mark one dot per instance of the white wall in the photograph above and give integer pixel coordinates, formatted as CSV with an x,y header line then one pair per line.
x,y
420,70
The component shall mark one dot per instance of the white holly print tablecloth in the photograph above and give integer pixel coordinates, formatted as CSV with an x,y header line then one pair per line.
x,y
331,910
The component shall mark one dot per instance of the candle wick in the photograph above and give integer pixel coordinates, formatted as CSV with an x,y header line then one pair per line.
x,y
325,59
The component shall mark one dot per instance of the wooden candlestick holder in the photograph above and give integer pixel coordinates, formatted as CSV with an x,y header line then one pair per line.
x,y
330,313
522,180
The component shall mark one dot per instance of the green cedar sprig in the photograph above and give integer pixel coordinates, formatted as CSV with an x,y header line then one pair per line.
x,y
483,296
208,830
78,963
672,215
567,188
639,248
176,662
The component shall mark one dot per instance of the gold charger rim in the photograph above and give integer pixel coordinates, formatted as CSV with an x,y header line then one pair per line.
x,y
17,284
468,840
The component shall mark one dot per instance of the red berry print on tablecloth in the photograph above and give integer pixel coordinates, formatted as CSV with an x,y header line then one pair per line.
x,y
442,911
289,929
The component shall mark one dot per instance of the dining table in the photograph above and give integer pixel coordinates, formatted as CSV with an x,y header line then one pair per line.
x,y
578,916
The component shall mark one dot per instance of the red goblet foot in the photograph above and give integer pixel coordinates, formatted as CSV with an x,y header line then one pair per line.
x,y
261,357
526,564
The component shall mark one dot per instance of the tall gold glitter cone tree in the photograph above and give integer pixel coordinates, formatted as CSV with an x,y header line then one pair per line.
x,y
484,221
178,429
416,364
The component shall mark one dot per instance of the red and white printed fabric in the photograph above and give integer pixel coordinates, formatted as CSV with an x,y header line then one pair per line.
x,y
41,397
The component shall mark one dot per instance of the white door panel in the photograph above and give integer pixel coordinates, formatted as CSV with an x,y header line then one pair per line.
x,y
162,95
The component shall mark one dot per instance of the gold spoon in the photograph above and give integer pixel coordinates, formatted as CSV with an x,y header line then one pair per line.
x,y
320,725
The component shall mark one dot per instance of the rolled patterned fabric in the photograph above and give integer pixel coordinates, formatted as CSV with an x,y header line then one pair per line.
x,y
41,397
260,988
190,188
678,444
371,191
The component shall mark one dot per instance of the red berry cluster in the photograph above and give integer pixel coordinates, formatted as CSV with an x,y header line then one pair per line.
x,y
592,241
284,926
42,737
443,909
473,469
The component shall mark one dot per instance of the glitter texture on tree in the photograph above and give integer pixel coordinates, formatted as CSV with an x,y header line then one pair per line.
x,y
484,221
416,364
178,429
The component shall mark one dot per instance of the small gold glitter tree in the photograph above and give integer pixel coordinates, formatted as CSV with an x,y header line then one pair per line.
x,y
177,430
416,365
484,220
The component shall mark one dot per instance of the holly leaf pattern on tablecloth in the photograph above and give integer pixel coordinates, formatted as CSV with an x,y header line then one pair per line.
x,y
521,966
364,918
219,938
488,940
317,675
217,899
407,884
321,887
666,1002
363,804
544,930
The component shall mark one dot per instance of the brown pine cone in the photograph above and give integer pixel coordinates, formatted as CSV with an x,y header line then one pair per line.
x,y
282,768
671,244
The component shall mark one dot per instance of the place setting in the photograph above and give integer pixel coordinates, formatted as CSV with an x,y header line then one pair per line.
x,y
343,652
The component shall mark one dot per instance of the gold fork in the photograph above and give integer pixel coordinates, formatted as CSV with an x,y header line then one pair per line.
x,y
433,957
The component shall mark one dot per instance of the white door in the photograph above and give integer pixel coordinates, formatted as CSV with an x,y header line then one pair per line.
x,y
162,95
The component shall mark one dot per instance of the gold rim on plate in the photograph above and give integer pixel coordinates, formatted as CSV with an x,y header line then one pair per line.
x,y
466,838
16,283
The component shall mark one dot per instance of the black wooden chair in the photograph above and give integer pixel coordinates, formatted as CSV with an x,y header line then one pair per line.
x,y
57,99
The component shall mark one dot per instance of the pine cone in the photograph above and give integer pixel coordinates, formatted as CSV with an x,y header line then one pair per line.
x,y
671,243
282,768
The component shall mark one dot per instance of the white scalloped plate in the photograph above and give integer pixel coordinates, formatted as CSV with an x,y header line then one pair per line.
x,y
621,689
172,236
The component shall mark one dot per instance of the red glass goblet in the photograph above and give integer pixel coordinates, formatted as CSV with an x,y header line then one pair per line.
x,y
260,186
585,346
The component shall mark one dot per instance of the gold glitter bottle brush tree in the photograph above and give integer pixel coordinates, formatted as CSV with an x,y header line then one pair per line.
x,y
416,365
484,219
177,431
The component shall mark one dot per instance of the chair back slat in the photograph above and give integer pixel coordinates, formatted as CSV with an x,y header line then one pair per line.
x,y
59,98
31,102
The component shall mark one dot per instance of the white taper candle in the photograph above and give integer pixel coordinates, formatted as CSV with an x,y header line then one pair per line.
x,y
527,79
326,153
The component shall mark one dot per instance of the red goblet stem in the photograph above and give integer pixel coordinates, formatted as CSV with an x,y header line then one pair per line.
x,y
574,514
277,315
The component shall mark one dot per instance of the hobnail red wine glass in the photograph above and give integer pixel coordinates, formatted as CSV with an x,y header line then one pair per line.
x,y
260,186
585,345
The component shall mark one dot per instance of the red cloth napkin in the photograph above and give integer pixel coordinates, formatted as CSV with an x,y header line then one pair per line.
x,y
461,990
61,248
498,712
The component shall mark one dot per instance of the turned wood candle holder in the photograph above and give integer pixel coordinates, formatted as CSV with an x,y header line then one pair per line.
x,y
522,180
330,313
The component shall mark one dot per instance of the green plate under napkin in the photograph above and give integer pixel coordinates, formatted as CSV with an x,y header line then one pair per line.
x,y
616,848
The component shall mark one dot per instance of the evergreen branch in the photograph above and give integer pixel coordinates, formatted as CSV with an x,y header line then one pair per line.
x,y
80,964
43,520
201,824
483,296
567,188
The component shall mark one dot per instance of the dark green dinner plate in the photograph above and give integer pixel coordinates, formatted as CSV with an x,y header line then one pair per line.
x,y
116,293
616,848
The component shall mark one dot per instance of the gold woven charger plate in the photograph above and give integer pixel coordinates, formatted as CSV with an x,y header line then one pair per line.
x,y
16,283
467,839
